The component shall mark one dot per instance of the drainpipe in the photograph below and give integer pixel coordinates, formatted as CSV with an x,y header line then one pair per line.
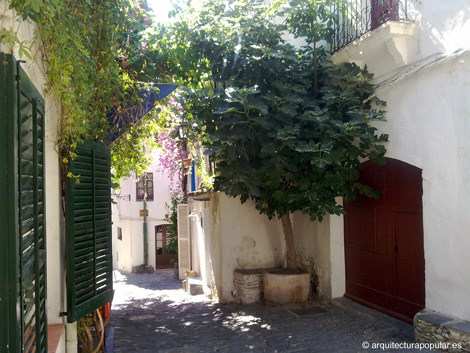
x,y
71,338
146,245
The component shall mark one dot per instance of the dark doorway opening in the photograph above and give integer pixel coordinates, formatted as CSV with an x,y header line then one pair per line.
x,y
162,255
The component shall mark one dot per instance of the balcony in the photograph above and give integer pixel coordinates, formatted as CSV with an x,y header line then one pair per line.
x,y
377,33
356,18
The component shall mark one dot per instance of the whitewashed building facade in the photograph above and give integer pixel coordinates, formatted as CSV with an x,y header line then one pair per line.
x,y
128,220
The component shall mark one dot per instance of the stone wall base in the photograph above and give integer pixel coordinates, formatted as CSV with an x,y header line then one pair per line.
x,y
446,333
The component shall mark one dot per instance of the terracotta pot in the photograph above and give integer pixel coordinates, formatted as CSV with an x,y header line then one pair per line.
x,y
284,287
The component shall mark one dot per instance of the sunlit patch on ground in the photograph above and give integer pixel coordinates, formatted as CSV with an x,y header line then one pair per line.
x,y
151,313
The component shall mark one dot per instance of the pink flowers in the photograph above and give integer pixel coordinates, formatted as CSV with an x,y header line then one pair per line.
x,y
172,154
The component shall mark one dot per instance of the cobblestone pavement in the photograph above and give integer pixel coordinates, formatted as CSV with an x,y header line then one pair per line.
x,y
151,313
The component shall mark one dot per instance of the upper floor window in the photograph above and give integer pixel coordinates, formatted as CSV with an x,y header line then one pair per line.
x,y
144,187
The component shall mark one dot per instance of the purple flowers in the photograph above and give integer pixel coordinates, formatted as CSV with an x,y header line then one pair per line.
x,y
173,153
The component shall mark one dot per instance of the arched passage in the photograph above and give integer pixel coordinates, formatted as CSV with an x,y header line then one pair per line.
x,y
384,249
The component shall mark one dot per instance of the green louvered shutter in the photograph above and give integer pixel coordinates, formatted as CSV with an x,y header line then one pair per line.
x,y
31,214
88,229
22,229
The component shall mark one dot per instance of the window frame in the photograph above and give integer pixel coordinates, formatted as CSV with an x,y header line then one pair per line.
x,y
140,189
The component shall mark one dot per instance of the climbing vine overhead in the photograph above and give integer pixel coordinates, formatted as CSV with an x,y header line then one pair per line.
x,y
93,53
85,47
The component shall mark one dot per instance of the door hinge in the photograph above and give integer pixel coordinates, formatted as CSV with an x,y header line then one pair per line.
x,y
18,64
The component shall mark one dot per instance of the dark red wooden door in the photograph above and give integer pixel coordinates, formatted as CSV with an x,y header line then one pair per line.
x,y
163,257
384,241
383,11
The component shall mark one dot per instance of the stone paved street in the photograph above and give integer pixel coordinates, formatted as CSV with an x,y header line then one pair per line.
x,y
151,313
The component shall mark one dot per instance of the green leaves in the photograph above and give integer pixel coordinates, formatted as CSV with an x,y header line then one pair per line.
x,y
90,54
310,19
275,139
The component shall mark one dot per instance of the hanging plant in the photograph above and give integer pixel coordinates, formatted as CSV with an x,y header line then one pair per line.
x,y
93,53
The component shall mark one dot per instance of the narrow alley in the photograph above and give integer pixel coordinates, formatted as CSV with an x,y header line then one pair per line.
x,y
151,313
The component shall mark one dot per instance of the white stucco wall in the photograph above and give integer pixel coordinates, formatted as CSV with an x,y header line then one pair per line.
x,y
444,25
250,240
337,256
320,249
428,123
201,218
129,251
234,236
312,244
53,205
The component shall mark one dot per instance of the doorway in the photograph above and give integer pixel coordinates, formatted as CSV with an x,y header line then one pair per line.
x,y
163,257
384,248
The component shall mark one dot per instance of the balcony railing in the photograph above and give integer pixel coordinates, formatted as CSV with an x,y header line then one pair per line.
x,y
355,18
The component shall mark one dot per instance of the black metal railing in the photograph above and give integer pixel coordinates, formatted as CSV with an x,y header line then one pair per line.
x,y
355,18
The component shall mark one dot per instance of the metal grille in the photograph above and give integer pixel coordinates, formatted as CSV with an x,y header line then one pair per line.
x,y
88,220
354,18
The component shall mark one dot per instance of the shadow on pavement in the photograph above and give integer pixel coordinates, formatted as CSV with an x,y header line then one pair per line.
x,y
151,313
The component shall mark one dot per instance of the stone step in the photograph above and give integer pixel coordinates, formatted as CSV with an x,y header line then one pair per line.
x,y
447,333
193,285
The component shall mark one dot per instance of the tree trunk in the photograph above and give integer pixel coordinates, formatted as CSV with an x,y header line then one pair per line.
x,y
289,236
315,68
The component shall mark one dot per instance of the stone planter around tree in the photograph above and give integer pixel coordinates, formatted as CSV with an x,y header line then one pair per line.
x,y
286,286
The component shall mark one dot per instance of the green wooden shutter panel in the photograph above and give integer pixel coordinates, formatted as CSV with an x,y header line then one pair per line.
x,y
31,214
88,222
22,233
9,262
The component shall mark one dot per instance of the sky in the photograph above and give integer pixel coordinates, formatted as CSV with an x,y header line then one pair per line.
x,y
161,9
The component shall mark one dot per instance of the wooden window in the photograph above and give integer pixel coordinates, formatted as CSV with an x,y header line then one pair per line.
x,y
145,183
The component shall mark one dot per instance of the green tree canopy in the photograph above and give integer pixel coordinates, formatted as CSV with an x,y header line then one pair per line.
x,y
286,127
274,139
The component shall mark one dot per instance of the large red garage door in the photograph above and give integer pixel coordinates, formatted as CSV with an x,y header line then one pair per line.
x,y
384,241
